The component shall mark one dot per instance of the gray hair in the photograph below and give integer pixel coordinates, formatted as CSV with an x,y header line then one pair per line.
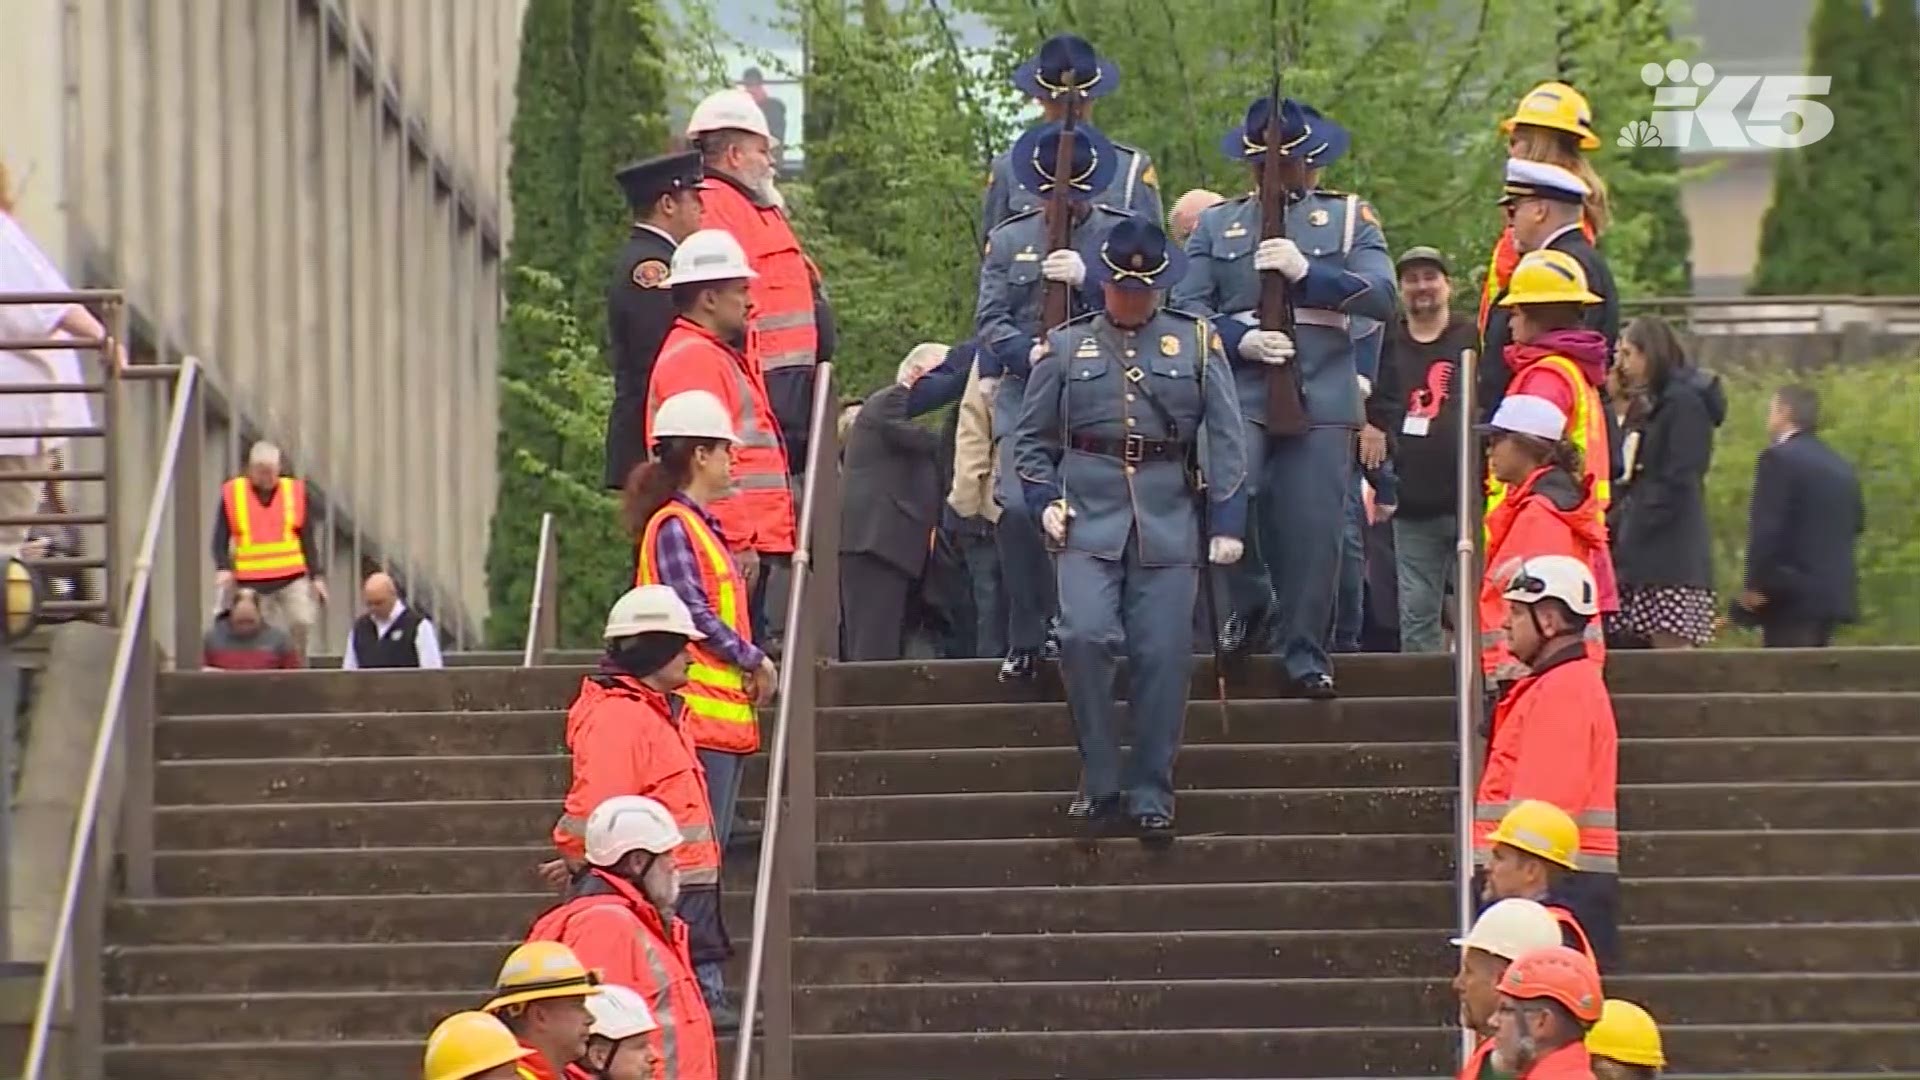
x,y
264,453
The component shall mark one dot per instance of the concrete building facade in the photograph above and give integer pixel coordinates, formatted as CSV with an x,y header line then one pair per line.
x,y
309,196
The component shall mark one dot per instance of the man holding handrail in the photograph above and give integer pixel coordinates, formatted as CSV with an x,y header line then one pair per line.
x,y
262,539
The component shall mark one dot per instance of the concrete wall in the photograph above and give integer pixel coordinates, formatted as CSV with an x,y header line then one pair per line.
x,y
309,195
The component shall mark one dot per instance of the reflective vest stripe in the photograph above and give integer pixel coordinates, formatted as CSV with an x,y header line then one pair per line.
x,y
786,320
709,875
1586,430
662,1004
266,542
1586,819
572,825
786,358
1593,863
720,715
760,482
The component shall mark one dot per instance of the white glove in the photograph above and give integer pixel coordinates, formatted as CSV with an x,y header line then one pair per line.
x,y
1266,347
1054,520
1066,265
1283,255
1366,386
989,386
1224,550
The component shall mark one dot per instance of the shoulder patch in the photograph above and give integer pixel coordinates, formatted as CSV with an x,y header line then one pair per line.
x,y
1368,215
1150,177
650,274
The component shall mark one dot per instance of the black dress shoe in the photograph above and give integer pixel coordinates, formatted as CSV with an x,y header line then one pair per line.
x,y
1155,829
1018,666
1095,813
1318,686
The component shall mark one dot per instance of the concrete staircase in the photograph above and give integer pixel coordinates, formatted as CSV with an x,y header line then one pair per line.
x,y
347,857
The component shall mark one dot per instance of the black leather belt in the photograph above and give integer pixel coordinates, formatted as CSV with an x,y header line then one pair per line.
x,y
1131,448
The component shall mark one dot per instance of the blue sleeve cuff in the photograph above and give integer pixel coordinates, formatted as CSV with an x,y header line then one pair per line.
x,y
1328,288
1231,330
1229,515
937,389
1010,355
1037,496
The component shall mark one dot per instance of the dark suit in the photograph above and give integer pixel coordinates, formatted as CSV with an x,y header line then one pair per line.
x,y
639,312
1603,316
890,503
1802,524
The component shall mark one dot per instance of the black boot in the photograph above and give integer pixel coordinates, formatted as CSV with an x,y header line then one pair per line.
x,y
1018,666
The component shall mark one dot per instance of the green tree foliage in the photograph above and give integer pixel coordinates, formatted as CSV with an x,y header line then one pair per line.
x,y
544,172
1893,267
1853,400
1806,251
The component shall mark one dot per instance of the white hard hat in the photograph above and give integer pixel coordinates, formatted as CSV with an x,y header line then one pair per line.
x,y
650,609
1512,928
693,414
1562,577
1525,414
709,255
620,1012
628,823
732,109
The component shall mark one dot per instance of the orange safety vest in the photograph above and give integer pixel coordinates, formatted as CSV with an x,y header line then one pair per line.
x,y
721,714
1570,927
626,738
1563,718
266,540
782,334
1500,266
758,514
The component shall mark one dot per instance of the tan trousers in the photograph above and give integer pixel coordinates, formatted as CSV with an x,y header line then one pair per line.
x,y
19,498
292,608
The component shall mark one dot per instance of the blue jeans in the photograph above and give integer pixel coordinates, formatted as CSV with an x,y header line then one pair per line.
x,y
1423,555
723,790
1349,604
982,557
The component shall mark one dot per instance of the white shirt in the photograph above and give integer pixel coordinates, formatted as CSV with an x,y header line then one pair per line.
x,y
426,640
24,268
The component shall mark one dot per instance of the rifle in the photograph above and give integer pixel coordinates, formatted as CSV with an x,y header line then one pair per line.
x,y
1059,299
1286,399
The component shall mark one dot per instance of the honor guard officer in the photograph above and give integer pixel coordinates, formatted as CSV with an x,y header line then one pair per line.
x,y
663,193
1008,318
1336,258
1133,186
1131,450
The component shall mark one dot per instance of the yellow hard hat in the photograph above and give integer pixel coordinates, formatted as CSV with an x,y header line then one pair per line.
x,y
1542,829
1627,1034
1548,277
1558,106
467,1044
539,970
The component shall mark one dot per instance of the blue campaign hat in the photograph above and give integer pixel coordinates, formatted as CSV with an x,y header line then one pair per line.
x,y
1095,160
1046,76
1137,255
1304,134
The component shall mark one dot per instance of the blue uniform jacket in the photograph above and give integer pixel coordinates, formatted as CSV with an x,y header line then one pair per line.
x,y
1349,273
1082,387
1135,189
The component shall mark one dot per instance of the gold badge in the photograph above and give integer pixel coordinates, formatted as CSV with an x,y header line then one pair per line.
x,y
651,274
1214,343
1169,345
1318,217
1150,178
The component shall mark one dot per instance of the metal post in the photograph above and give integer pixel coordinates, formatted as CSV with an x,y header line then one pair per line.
x,y
1466,646
188,594
136,807
85,1057
9,715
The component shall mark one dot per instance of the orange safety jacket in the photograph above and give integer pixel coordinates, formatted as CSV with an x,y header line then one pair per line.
x,y
627,739
266,540
1527,526
1554,739
782,333
1571,931
1477,1060
1570,1062
758,514
622,935
721,713
534,1067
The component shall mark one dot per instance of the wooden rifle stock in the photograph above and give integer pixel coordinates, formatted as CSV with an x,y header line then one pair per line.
x,y
1058,306
1286,400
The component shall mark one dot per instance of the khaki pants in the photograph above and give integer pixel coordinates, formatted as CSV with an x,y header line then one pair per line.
x,y
19,498
292,608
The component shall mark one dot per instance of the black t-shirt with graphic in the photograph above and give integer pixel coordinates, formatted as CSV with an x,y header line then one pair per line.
x,y
1427,431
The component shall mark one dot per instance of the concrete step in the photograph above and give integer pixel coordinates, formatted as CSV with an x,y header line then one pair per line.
x,y
1308,954
326,1059
317,919
212,783
1316,1003
902,727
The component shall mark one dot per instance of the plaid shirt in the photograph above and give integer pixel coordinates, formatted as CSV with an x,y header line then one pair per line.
x,y
679,567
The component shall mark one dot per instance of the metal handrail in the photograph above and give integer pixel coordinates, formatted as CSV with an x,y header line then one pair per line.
x,y
543,618
1466,647
796,703
132,652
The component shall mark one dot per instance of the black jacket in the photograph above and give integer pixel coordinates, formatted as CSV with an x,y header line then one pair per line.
x,y
1805,517
639,313
1604,317
890,484
1425,374
1659,514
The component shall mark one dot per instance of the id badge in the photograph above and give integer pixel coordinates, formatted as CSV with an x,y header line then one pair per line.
x,y
1416,426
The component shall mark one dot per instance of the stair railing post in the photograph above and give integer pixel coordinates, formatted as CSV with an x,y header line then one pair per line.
x,y
1466,649
188,513
86,980
136,807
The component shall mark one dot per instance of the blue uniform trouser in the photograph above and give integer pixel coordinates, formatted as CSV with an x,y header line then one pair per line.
x,y
1349,606
1301,515
1246,587
1113,607
1026,569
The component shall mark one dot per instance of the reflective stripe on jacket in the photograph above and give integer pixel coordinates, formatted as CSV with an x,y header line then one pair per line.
x,y
721,713
622,935
627,739
783,333
757,514
1554,739
266,540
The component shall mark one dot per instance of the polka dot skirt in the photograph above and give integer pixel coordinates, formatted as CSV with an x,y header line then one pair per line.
x,y
1684,611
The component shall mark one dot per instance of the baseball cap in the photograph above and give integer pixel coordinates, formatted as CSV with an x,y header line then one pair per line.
x,y
1421,254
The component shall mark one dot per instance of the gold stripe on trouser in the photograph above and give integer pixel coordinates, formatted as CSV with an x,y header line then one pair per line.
x,y
662,1005
723,678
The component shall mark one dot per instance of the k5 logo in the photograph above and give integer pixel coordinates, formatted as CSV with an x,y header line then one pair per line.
x,y
1678,105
